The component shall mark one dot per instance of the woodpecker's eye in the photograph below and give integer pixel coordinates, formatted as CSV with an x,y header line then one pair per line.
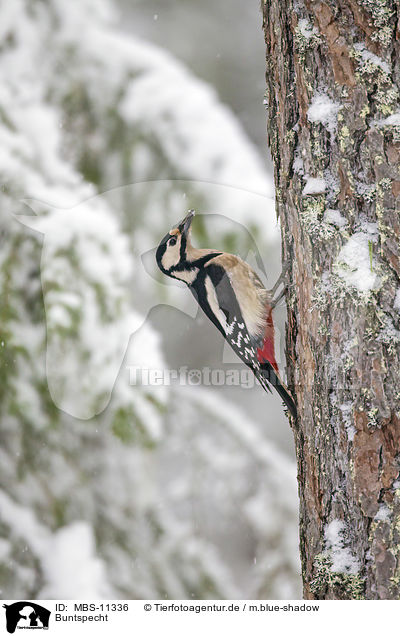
x,y
172,240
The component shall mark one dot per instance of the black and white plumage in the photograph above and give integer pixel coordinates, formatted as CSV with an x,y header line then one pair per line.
x,y
232,296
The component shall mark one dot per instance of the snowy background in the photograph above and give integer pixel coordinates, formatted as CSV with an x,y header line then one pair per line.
x,y
114,120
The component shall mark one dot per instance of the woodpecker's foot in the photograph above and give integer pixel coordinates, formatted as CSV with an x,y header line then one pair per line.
x,y
276,300
281,280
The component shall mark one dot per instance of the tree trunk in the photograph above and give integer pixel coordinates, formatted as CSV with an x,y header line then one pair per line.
x,y
333,79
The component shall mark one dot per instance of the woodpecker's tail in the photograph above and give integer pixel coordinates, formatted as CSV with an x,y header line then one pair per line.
x,y
267,377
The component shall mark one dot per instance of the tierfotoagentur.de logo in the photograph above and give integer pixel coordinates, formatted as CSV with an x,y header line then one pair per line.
x,y
192,377
26,615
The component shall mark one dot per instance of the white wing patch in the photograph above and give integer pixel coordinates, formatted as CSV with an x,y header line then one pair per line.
x,y
213,302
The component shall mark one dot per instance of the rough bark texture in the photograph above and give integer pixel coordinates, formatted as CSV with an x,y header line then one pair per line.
x,y
342,238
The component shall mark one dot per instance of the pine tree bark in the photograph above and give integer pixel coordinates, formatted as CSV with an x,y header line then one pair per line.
x,y
333,80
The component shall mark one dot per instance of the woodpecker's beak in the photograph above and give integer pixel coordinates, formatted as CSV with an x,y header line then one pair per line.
x,y
184,226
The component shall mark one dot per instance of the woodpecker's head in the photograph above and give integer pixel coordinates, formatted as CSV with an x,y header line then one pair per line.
x,y
176,256
172,253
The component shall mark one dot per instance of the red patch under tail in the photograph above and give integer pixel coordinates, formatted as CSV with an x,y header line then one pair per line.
x,y
267,351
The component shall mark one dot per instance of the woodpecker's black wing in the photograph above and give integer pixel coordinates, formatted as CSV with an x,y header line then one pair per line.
x,y
222,303
215,294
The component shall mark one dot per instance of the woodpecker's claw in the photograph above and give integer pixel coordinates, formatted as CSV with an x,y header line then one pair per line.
x,y
281,280
276,300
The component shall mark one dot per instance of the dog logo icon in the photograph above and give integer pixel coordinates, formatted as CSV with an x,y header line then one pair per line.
x,y
26,615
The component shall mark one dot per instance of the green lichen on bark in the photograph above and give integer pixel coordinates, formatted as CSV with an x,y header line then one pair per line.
x,y
382,13
341,585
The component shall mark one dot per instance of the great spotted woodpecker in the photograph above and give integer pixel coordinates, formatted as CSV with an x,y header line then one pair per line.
x,y
233,297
